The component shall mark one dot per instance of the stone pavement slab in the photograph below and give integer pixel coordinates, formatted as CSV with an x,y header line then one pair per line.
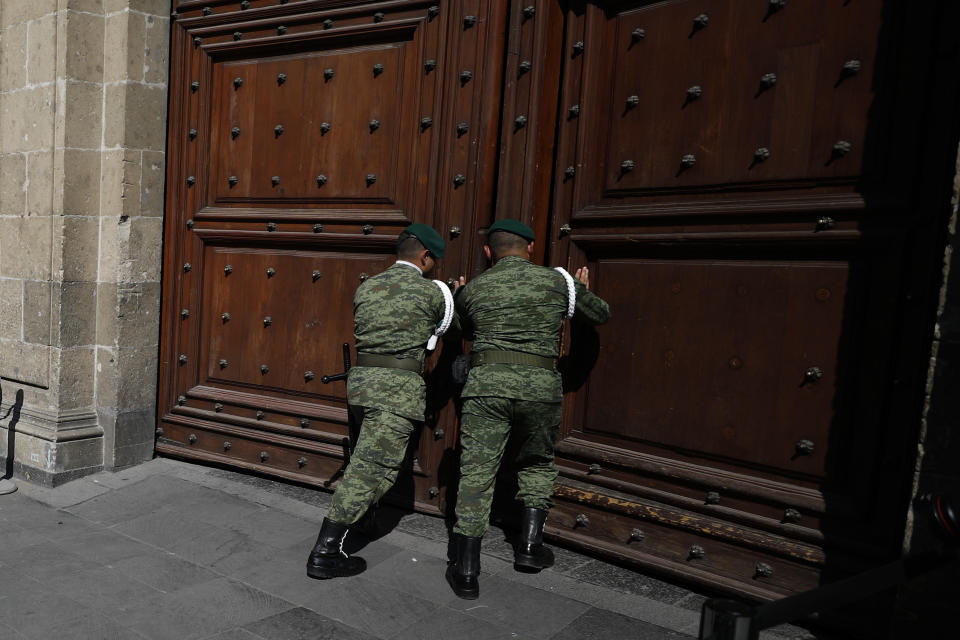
x,y
45,562
170,550
302,624
186,537
627,581
531,612
369,606
101,545
91,625
162,570
10,632
413,573
134,500
597,624
447,624
32,610
104,589
236,634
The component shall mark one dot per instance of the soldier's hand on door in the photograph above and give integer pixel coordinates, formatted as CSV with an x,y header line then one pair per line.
x,y
583,275
459,282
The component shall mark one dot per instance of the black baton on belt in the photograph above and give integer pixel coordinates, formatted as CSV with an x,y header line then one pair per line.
x,y
346,367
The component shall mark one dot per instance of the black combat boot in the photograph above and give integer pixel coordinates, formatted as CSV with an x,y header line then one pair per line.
x,y
328,560
530,553
462,574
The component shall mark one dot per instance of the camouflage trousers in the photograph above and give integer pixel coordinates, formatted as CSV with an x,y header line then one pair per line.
x,y
374,465
487,424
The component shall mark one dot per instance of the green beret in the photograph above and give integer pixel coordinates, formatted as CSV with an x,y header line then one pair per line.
x,y
512,226
428,237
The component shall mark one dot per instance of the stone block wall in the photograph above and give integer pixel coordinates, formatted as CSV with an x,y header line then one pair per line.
x,y
83,97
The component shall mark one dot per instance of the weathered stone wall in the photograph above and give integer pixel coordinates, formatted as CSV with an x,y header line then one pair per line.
x,y
82,130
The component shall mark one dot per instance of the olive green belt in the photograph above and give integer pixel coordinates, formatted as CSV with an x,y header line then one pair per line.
x,y
389,362
481,358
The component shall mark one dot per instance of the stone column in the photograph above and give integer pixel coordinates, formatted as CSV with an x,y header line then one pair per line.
x,y
136,62
82,129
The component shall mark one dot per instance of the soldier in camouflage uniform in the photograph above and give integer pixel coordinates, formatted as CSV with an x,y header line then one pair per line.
x,y
515,311
395,312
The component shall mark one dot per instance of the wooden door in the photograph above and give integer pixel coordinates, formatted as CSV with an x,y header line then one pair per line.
x,y
756,186
303,138
730,173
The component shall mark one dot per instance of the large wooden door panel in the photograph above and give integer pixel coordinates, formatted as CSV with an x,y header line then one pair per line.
x,y
748,182
720,167
277,340
695,97
739,54
332,103
303,138
673,411
724,344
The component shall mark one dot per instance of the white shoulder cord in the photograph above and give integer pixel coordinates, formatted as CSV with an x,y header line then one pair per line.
x,y
571,291
447,315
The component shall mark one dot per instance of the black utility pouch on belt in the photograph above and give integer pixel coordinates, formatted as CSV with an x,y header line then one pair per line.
x,y
460,368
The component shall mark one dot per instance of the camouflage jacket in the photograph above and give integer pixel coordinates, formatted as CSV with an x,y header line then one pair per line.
x,y
519,306
394,313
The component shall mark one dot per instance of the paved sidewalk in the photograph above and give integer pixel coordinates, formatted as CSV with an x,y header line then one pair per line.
x,y
171,550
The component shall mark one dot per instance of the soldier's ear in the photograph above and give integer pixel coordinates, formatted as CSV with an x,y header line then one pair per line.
x,y
486,252
530,249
